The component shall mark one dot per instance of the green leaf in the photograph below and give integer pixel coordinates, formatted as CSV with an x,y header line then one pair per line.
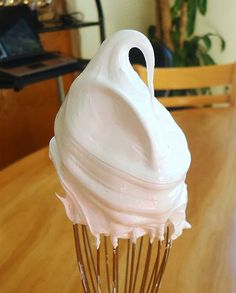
x,y
222,41
223,44
192,9
202,6
192,92
175,37
174,93
192,46
207,59
204,90
175,9
175,23
178,3
207,41
193,42
179,57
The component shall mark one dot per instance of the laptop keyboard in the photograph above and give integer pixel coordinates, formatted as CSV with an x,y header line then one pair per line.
x,y
36,65
33,62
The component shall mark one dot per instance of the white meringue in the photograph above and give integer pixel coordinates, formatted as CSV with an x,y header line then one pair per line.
x,y
120,156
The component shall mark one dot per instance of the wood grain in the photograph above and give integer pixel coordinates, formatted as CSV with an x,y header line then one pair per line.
x,y
26,117
189,77
189,101
37,247
193,78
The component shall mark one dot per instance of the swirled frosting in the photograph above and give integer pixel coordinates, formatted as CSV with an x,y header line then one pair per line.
x,y
120,156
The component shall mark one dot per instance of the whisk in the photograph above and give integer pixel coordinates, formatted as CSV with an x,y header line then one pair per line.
x,y
129,268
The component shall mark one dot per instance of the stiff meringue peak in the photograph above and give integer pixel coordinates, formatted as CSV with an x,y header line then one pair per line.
x,y
121,158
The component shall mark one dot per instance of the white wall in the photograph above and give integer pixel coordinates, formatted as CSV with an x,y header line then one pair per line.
x,y
221,19
118,14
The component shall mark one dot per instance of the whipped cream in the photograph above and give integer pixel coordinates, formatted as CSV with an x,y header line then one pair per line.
x,y
120,156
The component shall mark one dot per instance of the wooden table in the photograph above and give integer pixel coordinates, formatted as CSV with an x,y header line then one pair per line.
x,y
36,242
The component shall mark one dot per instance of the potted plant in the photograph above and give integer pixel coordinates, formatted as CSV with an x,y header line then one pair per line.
x,y
175,28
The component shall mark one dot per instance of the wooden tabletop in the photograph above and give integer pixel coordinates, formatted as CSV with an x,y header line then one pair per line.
x,y
36,242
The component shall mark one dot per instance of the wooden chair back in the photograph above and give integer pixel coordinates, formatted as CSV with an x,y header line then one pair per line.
x,y
193,78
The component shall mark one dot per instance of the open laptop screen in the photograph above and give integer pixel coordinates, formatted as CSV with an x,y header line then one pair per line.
x,y
17,34
19,40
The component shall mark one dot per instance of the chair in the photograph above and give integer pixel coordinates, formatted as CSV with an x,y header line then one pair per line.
x,y
193,78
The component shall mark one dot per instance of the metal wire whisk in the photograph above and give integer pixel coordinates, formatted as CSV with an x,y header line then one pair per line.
x,y
129,268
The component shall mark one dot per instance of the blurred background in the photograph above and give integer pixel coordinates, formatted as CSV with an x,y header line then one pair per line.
x,y
219,19
194,32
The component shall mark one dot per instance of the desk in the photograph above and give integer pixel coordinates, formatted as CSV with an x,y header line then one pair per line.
x,y
31,111
37,248
17,83
7,81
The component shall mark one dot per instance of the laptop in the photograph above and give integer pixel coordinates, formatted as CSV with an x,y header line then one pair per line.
x,y
21,52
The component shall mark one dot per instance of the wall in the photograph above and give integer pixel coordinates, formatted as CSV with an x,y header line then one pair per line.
x,y
118,15
220,19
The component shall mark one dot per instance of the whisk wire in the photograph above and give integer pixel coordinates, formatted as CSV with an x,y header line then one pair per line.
x,y
142,266
80,259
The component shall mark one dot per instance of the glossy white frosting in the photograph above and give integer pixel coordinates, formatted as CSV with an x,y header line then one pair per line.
x,y
120,156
